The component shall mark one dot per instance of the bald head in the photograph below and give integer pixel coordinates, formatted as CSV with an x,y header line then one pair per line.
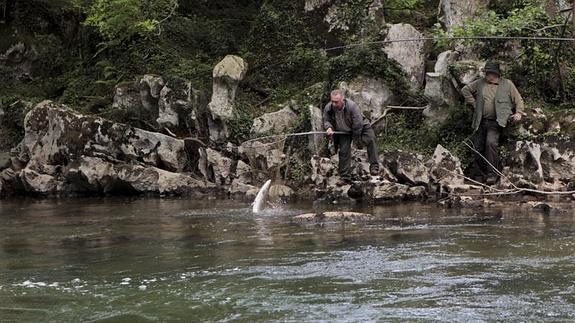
x,y
337,99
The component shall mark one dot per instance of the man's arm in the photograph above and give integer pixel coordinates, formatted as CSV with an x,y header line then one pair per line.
x,y
469,92
516,98
326,123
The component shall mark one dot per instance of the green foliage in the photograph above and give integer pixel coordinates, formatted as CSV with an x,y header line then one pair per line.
x,y
119,20
282,47
240,125
409,131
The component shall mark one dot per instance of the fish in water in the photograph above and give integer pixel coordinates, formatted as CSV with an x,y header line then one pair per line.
x,y
258,203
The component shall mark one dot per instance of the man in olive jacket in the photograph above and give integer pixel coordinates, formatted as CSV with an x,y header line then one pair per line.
x,y
343,115
494,101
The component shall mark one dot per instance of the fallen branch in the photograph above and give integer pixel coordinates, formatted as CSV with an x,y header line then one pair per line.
x,y
395,107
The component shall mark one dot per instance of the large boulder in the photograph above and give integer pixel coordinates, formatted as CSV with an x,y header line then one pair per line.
x,y
321,169
441,94
65,152
216,167
445,169
444,60
227,75
275,122
264,158
439,90
177,103
127,96
372,95
150,87
280,193
546,166
407,168
453,13
95,175
152,98
37,183
410,55
388,191
55,135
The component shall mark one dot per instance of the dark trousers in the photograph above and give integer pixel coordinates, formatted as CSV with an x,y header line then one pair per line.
x,y
487,143
344,145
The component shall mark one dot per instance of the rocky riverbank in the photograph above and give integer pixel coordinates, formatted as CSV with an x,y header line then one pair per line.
x,y
64,153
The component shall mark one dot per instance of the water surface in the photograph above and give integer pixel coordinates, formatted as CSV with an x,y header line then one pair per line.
x,y
138,260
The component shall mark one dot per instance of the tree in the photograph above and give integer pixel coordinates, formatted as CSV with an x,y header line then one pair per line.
x,y
119,20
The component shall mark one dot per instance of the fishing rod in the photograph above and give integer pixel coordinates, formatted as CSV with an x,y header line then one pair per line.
x,y
539,38
296,134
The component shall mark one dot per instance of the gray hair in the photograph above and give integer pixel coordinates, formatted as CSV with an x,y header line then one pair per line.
x,y
338,93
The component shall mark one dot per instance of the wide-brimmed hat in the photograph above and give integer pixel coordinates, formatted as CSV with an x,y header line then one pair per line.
x,y
492,68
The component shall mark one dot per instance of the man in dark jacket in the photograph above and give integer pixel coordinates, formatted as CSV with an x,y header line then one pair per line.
x,y
343,115
494,101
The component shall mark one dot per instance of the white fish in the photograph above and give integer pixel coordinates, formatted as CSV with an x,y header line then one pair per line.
x,y
258,203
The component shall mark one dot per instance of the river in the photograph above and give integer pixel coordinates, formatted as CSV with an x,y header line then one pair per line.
x,y
158,260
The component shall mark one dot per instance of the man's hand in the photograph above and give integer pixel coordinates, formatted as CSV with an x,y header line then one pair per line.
x,y
516,118
329,132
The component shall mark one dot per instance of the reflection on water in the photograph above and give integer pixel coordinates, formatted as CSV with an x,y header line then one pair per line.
x,y
162,260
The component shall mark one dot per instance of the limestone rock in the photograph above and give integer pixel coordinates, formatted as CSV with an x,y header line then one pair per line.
x,y
372,95
96,176
55,136
150,87
275,122
127,96
264,158
410,55
407,168
217,167
445,169
466,72
416,193
389,192
239,188
547,166
316,142
37,183
453,13
441,94
281,193
175,104
226,76
444,60
322,168
439,90
243,172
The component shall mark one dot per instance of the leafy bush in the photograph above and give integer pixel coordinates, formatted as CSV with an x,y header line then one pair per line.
x,y
119,20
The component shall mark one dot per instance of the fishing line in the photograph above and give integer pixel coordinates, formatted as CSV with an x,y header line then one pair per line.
x,y
539,38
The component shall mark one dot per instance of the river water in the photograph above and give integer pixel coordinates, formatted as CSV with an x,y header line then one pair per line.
x,y
140,260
